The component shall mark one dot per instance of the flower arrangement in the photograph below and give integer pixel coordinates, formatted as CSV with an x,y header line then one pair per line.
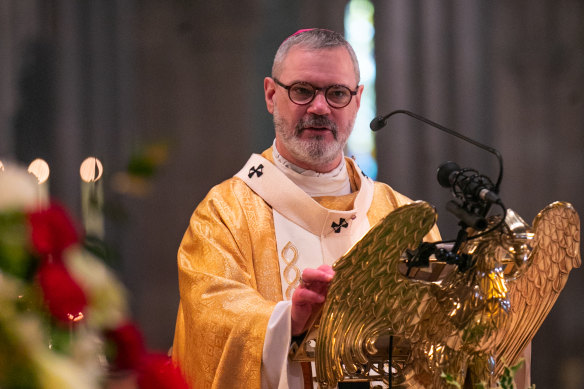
x,y
64,319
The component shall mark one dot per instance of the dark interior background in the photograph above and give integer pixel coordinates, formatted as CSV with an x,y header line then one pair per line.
x,y
111,78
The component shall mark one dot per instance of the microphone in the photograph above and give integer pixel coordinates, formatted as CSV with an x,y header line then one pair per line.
x,y
380,121
468,184
475,191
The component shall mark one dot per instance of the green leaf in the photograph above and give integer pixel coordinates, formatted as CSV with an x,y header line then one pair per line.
x,y
450,380
15,257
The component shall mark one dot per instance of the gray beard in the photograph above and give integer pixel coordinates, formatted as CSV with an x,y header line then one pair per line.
x,y
313,151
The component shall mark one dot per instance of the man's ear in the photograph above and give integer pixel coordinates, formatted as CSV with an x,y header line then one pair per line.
x,y
269,91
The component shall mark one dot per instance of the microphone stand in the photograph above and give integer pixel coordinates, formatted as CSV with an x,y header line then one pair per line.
x,y
421,256
380,121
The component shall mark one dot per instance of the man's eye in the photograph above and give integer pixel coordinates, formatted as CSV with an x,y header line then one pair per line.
x,y
338,93
302,90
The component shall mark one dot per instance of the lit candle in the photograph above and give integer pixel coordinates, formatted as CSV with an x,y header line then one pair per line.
x,y
40,169
91,171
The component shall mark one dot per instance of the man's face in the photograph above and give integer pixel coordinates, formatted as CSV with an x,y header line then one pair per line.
x,y
312,136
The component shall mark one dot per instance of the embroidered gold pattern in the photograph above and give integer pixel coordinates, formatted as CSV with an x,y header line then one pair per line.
x,y
289,255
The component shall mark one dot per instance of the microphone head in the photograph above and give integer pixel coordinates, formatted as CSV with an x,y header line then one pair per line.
x,y
378,123
445,171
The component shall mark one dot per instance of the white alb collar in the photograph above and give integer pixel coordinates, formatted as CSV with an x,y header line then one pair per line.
x,y
333,183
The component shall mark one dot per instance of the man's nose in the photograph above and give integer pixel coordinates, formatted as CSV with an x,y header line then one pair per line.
x,y
319,105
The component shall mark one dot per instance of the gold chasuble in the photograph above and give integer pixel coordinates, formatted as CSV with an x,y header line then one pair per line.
x,y
229,278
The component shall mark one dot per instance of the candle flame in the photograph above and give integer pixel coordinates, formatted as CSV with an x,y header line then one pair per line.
x,y
91,169
40,169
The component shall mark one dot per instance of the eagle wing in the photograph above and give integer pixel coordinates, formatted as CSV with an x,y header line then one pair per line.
x,y
368,295
555,252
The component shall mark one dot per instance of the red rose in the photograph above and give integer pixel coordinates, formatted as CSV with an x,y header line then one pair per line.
x,y
159,372
129,346
63,296
52,230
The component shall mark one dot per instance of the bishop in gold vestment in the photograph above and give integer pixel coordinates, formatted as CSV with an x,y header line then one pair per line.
x,y
287,216
229,278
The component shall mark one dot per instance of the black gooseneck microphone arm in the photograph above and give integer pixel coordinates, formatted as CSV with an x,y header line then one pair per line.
x,y
420,256
380,121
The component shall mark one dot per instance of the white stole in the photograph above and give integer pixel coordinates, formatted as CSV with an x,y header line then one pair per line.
x,y
307,234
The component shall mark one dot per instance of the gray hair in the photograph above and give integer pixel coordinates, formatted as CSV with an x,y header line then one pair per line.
x,y
313,39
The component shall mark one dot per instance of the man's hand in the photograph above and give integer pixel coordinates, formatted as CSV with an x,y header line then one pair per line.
x,y
309,296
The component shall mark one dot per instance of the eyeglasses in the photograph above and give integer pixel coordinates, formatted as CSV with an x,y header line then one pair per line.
x,y
302,93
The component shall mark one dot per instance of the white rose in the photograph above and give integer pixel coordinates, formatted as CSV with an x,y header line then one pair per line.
x,y
18,189
107,296
55,371
52,370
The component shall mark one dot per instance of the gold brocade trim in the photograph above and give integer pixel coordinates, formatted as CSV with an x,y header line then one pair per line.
x,y
290,267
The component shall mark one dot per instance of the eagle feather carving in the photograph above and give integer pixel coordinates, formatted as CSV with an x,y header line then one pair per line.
x,y
465,322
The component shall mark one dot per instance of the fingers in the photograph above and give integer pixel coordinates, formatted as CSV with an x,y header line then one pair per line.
x,y
323,273
309,296
304,296
327,269
304,303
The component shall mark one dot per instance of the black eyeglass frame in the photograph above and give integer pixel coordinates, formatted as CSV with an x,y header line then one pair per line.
x,y
323,89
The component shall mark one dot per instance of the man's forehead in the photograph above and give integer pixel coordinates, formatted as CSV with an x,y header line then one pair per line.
x,y
332,61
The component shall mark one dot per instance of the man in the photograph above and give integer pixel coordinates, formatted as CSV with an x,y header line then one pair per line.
x,y
255,262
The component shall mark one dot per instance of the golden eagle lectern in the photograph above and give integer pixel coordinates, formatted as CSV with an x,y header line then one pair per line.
x,y
379,323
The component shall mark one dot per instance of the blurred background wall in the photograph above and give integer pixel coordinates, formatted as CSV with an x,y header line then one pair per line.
x,y
112,79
